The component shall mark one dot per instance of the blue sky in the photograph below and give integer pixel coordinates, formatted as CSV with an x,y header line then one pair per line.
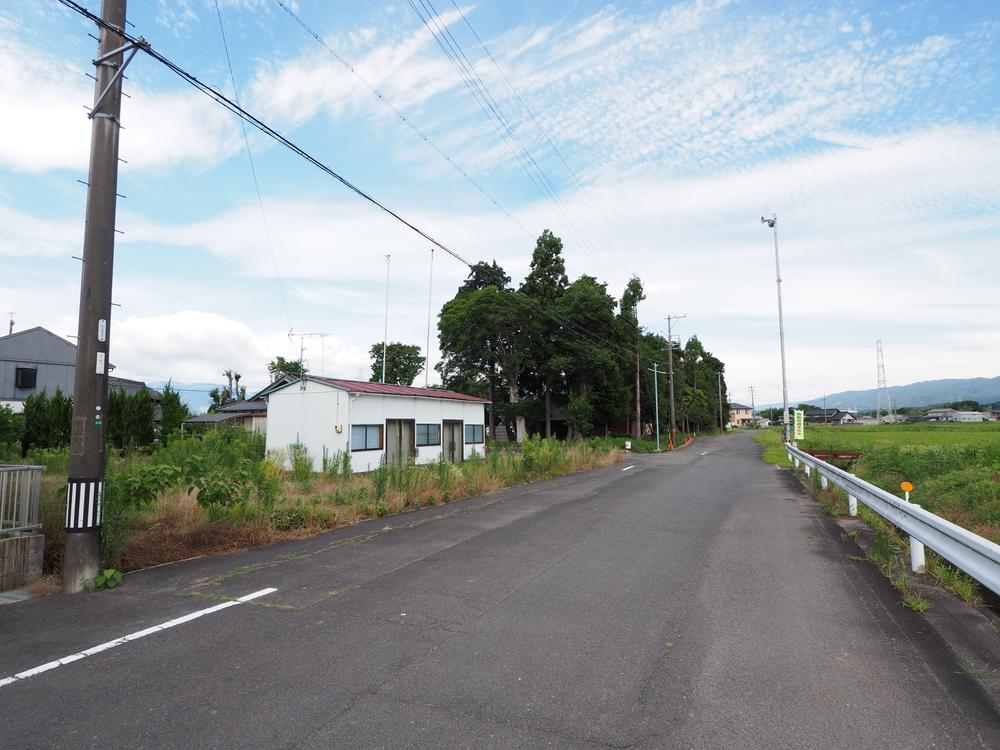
x,y
870,128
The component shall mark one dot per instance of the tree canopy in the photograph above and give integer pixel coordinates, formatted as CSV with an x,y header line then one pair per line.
x,y
403,363
572,343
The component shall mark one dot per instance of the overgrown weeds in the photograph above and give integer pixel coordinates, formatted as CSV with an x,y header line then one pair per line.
x,y
219,492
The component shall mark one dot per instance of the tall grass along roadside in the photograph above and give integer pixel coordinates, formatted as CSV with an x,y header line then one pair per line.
x,y
219,492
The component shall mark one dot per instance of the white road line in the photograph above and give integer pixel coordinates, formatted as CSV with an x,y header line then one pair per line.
x,y
629,467
704,453
131,637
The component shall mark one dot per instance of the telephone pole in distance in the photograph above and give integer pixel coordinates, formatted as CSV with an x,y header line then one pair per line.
x,y
670,365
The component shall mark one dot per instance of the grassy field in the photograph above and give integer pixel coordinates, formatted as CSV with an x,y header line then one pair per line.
x,y
955,468
196,496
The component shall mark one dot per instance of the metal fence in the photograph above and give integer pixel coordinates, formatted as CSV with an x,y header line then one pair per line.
x,y
970,553
20,487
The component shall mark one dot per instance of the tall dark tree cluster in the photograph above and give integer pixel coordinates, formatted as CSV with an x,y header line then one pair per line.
x,y
562,354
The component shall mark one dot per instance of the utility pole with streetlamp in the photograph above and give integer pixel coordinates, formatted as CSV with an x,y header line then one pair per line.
x,y
773,224
670,366
88,444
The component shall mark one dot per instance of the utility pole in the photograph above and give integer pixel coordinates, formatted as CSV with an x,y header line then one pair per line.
x,y
722,425
656,402
670,360
385,334
753,408
773,224
10,328
430,295
638,408
85,487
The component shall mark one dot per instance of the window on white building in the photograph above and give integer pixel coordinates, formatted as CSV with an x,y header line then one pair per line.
x,y
473,433
366,437
428,434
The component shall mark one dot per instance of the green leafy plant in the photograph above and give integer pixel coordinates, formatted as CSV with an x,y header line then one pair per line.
x,y
108,578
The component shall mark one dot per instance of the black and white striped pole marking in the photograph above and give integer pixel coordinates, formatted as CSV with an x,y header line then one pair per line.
x,y
83,504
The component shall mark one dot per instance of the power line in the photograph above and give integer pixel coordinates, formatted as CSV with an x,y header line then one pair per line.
x,y
238,110
263,127
253,169
545,135
487,102
409,123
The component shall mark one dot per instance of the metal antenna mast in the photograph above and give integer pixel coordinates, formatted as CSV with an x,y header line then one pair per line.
x,y
670,366
882,386
10,328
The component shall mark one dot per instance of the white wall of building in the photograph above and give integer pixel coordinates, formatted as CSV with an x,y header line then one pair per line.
x,y
313,416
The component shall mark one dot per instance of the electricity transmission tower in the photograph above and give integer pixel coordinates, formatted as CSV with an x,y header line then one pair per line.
x,y
881,387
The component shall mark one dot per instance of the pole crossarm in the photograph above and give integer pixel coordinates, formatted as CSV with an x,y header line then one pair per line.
x,y
105,59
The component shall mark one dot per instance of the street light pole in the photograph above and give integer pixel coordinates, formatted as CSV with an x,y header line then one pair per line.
x,y
656,402
670,366
773,223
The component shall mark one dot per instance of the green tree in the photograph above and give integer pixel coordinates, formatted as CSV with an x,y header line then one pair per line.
x,y
630,331
280,366
47,420
130,419
544,287
229,393
485,326
173,411
587,356
403,363
482,275
11,426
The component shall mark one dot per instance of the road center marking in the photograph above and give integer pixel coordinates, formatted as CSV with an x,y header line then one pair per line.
x,y
703,453
629,467
131,637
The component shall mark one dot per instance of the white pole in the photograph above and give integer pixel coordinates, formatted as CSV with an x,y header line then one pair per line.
x,y
773,223
385,334
430,293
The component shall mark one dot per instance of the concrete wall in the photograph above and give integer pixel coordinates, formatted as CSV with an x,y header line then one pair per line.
x,y
313,416
20,560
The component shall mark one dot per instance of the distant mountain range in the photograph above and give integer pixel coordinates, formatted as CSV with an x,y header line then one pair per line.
x,y
925,393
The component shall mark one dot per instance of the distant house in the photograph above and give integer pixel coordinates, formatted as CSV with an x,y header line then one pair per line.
x,y
740,415
954,415
830,416
250,414
35,360
375,422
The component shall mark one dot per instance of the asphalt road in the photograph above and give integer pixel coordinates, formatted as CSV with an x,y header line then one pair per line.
x,y
696,600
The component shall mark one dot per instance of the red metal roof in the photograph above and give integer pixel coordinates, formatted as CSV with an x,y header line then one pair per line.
x,y
362,386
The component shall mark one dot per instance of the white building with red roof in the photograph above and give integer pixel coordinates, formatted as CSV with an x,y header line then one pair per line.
x,y
374,422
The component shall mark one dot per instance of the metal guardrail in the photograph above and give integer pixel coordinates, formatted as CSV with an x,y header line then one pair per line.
x,y
20,488
970,553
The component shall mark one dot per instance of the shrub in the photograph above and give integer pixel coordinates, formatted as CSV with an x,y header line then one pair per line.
x,y
302,463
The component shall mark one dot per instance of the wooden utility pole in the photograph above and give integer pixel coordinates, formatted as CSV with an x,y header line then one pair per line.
x,y
90,388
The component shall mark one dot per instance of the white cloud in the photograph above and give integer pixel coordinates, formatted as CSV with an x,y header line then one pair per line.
x,y
45,123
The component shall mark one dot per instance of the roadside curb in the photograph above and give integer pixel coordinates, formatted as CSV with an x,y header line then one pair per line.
x,y
972,633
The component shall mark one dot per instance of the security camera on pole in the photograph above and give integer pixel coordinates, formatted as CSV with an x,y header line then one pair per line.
x,y
773,223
